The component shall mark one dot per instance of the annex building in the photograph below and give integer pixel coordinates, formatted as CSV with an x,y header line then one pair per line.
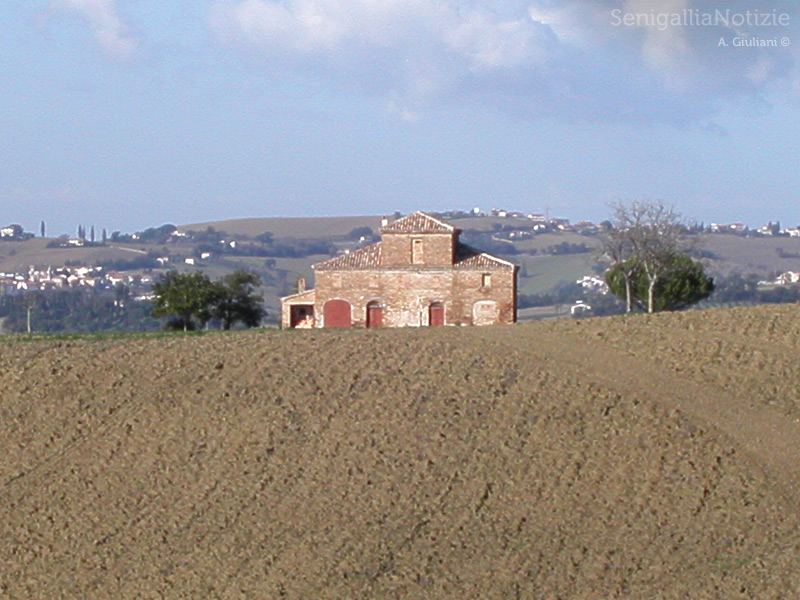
x,y
418,275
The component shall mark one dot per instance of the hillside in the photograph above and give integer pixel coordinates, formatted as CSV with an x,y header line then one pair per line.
x,y
550,262
643,457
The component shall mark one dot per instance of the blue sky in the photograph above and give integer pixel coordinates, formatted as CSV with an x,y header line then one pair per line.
x,y
131,113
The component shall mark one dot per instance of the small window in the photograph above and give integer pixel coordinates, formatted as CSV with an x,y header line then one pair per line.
x,y
336,280
486,280
417,255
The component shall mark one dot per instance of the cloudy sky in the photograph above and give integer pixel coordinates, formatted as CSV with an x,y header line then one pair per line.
x,y
131,113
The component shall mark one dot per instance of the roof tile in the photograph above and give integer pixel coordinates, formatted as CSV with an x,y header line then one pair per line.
x,y
418,222
368,257
468,258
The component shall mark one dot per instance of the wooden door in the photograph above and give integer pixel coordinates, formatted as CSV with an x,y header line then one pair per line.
x,y
374,315
436,315
337,314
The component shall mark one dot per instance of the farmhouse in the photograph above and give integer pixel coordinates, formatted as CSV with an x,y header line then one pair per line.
x,y
419,274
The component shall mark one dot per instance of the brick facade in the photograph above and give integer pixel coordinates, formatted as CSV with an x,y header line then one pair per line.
x,y
417,275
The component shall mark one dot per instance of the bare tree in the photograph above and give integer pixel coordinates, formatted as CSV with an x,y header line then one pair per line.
x,y
619,245
32,300
644,236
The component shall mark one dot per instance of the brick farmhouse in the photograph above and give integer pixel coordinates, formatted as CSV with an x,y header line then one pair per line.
x,y
419,274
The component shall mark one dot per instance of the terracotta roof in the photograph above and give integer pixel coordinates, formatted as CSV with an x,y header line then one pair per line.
x,y
368,257
300,297
418,222
468,258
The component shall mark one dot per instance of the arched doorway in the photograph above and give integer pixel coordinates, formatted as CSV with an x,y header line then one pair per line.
x,y
337,314
374,314
436,314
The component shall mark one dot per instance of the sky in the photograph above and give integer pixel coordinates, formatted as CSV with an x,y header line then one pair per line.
x,y
126,114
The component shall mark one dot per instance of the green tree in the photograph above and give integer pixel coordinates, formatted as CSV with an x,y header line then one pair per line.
x,y
235,300
191,300
643,240
186,299
359,232
682,282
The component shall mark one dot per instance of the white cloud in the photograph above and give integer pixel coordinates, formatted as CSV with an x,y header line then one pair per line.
x,y
666,50
490,43
420,49
562,58
102,17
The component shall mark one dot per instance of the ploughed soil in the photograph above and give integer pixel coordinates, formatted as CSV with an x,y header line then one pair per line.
x,y
642,457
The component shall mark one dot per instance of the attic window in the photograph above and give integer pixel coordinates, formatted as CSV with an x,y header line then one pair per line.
x,y
417,254
486,280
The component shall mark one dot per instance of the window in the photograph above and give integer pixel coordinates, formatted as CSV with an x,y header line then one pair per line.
x,y
486,280
417,255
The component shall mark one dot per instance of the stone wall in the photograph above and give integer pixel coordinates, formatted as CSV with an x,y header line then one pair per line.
x,y
407,294
436,249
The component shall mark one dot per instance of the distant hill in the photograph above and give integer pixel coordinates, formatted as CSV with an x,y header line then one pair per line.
x,y
18,256
642,457
296,227
547,259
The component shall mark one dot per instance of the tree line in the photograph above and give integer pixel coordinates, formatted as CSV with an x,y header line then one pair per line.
x,y
76,311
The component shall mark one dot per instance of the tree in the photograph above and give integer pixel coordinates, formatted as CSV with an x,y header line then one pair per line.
x,y
682,282
265,238
619,248
42,228
187,298
643,240
32,300
192,300
235,300
357,233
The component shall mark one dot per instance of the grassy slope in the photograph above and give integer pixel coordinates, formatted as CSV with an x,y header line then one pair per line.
x,y
543,272
753,255
17,256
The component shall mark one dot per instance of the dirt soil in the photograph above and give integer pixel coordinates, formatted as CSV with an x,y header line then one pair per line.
x,y
644,457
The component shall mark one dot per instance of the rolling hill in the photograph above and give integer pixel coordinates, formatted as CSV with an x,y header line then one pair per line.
x,y
642,457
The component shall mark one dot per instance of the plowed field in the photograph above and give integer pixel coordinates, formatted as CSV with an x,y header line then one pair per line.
x,y
644,457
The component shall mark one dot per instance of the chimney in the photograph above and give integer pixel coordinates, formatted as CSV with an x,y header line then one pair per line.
x,y
384,221
301,285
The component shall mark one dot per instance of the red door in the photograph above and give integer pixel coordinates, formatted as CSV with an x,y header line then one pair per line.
x,y
337,313
436,315
374,315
